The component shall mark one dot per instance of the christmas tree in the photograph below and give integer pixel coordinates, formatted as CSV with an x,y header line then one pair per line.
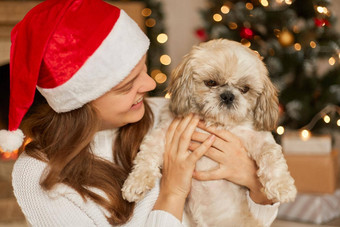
x,y
299,45
157,60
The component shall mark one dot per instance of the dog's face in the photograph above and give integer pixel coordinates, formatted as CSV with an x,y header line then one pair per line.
x,y
226,83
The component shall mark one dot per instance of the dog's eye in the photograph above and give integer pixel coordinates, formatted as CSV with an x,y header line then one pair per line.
x,y
210,83
245,89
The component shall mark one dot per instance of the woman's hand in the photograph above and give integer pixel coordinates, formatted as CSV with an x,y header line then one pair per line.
x,y
179,164
234,163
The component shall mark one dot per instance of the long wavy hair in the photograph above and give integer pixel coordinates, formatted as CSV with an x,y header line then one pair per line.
x,y
63,140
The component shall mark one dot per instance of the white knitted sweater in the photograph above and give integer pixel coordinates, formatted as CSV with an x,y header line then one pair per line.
x,y
63,206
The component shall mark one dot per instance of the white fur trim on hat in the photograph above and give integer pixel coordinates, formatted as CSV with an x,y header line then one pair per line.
x,y
11,140
114,59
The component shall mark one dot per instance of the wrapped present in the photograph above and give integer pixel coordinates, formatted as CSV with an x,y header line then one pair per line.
x,y
294,143
315,208
314,173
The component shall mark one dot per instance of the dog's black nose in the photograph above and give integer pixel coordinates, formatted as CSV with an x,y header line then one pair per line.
x,y
227,97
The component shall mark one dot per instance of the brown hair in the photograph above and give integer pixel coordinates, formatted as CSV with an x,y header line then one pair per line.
x,y
63,141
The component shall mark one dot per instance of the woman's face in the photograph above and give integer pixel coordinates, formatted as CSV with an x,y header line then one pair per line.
x,y
123,104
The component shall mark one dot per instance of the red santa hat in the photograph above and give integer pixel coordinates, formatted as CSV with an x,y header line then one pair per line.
x,y
72,51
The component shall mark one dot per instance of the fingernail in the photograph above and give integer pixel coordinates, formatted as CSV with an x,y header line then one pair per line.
x,y
212,138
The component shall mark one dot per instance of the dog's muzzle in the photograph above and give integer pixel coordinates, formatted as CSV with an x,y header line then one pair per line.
x,y
227,97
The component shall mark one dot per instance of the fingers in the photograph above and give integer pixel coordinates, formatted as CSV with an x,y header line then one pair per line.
x,y
215,174
219,144
171,130
175,129
226,141
199,136
179,134
223,134
185,137
181,126
212,153
201,149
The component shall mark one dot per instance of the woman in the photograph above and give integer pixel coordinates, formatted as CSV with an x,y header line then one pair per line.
x,y
87,58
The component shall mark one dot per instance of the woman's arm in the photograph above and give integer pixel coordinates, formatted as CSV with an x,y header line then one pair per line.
x,y
266,214
64,207
43,211
179,165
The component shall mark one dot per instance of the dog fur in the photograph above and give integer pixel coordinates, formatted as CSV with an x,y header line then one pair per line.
x,y
227,85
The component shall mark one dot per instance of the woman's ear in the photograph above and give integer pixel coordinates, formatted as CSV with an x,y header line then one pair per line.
x,y
180,87
266,112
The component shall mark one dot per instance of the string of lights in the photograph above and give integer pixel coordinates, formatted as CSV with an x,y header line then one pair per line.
x,y
329,113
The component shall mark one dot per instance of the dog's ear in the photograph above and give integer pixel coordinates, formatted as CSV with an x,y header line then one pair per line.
x,y
180,88
266,112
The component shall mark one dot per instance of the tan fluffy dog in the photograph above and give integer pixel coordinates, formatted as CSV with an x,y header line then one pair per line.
x,y
226,84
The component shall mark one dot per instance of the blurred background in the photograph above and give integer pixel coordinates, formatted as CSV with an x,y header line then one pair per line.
x,y
299,41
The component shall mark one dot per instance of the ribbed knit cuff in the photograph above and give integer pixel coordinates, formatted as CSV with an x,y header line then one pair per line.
x,y
265,214
162,218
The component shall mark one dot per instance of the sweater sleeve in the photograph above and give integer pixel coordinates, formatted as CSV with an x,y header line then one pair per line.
x,y
144,215
50,209
162,218
266,214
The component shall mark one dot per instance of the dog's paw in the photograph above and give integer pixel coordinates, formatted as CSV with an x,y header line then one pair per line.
x,y
136,186
133,193
281,191
288,195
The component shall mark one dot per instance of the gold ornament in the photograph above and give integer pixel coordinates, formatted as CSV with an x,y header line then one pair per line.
x,y
286,38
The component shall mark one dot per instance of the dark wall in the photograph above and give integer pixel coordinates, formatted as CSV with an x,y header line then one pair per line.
x,y
4,95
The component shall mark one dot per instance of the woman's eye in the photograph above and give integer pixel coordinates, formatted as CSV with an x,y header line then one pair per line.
x,y
245,89
210,83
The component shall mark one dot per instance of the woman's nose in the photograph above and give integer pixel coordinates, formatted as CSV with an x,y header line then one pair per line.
x,y
146,83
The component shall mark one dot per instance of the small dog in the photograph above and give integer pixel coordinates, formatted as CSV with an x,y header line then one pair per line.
x,y
227,85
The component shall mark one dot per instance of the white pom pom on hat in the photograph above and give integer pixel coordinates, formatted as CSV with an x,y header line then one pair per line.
x,y
72,51
11,140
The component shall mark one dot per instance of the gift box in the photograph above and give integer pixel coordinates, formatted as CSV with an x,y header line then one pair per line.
x,y
315,208
314,173
294,143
